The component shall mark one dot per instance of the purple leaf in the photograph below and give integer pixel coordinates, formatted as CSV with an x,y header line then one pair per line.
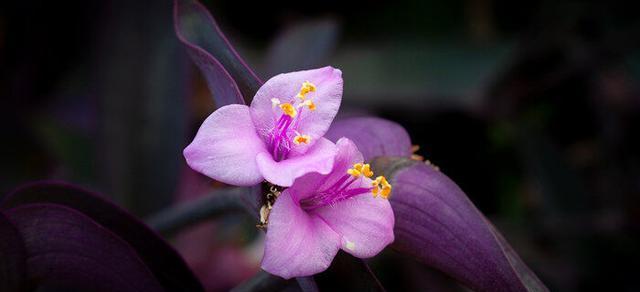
x,y
373,136
67,250
165,263
12,257
440,226
228,76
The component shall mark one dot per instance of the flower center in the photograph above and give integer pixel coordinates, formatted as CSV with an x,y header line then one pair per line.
x,y
281,137
344,189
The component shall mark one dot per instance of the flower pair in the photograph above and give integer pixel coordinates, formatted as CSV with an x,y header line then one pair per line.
x,y
332,200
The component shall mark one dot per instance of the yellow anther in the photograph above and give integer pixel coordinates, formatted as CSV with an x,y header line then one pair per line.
x,y
306,88
301,139
289,109
353,172
381,186
310,105
366,170
360,169
356,171
382,181
386,191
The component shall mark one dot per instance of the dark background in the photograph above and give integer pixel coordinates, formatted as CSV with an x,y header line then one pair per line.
x,y
531,107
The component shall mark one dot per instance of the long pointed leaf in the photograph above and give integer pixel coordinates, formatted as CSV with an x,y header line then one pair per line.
x,y
438,224
165,263
67,251
229,78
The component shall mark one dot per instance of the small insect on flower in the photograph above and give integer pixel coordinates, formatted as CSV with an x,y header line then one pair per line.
x,y
270,199
320,214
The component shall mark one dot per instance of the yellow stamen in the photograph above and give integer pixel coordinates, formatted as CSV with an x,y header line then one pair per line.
x,y
381,186
366,170
289,109
306,88
360,169
386,192
356,171
301,139
353,172
310,105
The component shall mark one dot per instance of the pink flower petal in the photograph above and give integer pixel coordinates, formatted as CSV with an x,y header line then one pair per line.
x,y
365,224
297,244
318,159
327,97
226,146
346,155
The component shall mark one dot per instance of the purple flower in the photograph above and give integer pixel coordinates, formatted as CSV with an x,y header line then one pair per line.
x,y
320,214
278,138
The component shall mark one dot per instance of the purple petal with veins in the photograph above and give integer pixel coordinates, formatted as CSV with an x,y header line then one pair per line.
x,y
278,138
320,214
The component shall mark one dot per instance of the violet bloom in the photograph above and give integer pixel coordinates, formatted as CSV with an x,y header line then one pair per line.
x,y
320,214
278,138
